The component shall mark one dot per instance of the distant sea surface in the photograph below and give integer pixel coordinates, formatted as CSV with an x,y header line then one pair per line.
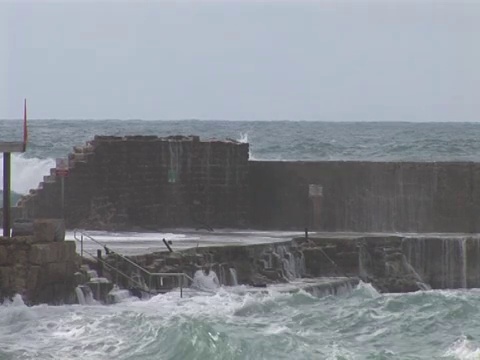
x,y
269,140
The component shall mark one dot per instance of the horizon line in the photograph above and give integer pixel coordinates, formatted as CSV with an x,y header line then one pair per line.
x,y
227,120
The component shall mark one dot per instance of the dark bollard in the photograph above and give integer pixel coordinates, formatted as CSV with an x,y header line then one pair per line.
x,y
100,263
306,233
167,245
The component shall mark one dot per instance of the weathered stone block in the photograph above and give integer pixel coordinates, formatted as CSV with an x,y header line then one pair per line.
x,y
40,254
44,230
56,272
4,259
7,275
19,254
33,276
52,252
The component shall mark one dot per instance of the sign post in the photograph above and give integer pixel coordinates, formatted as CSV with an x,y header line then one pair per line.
x,y
61,171
315,195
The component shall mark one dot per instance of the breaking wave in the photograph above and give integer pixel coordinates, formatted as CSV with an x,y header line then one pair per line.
x,y
27,172
228,325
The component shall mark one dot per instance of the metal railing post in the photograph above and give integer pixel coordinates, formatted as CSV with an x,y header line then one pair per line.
x,y
81,247
116,267
181,285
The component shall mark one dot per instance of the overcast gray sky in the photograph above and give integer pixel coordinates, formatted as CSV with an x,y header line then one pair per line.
x,y
330,60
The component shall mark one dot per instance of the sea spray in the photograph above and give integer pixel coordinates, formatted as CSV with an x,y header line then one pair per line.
x,y
205,281
265,325
27,172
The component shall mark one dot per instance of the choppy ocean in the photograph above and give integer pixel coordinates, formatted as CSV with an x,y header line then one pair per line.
x,y
226,326
360,325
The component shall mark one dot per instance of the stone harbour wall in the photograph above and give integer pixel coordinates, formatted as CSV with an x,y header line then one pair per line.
x,y
148,182
366,196
39,267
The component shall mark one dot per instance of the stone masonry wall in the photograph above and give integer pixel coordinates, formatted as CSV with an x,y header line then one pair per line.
x,y
152,183
149,182
40,267
366,196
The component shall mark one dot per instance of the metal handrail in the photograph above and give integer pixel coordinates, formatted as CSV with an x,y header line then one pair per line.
x,y
83,234
119,271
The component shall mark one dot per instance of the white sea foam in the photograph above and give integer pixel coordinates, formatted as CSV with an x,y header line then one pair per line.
x,y
367,289
228,325
244,139
27,173
208,282
463,349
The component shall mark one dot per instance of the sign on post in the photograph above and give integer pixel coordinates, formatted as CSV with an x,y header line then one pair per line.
x,y
62,167
315,190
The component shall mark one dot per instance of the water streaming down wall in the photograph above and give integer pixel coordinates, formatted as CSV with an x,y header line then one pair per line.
x,y
334,289
233,275
84,295
80,296
447,262
289,260
364,262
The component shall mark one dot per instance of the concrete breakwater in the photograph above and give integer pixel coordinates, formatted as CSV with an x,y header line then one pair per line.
x,y
45,269
392,263
149,182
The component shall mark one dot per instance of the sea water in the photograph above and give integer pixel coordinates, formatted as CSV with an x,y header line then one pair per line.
x,y
362,324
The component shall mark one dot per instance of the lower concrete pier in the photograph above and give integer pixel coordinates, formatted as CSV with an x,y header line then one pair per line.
x,y
391,262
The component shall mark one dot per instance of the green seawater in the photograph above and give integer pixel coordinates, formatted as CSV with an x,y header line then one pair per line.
x,y
359,325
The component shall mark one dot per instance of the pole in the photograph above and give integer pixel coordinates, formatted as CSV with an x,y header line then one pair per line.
x,y
100,264
6,194
62,196
167,245
81,248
